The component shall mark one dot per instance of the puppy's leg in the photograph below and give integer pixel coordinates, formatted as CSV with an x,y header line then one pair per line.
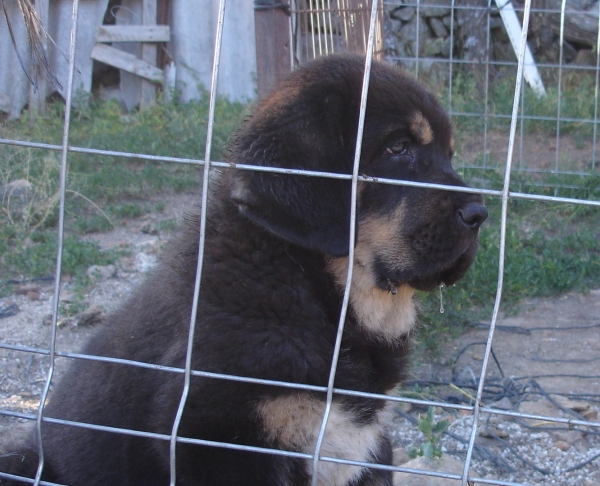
x,y
379,477
19,460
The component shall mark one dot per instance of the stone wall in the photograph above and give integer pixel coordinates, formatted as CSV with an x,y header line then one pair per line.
x,y
424,29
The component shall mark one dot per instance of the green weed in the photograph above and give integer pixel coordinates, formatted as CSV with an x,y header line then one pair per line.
x,y
34,255
573,97
432,431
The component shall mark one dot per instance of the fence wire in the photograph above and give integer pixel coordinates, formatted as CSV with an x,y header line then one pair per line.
x,y
517,117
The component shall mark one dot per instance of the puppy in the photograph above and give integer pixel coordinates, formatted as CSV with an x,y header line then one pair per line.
x,y
275,266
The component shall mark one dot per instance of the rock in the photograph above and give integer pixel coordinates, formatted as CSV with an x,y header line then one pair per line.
x,y
493,432
92,315
448,21
26,289
487,442
394,25
435,8
554,453
5,103
400,456
504,404
101,272
19,190
16,198
568,436
127,264
575,405
406,407
144,262
405,14
540,407
438,27
149,229
594,478
590,414
562,445
408,35
582,445
585,57
446,465
33,295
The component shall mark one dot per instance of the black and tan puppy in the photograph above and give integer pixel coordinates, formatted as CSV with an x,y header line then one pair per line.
x,y
274,271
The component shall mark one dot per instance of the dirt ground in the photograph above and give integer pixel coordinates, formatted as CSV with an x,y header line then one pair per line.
x,y
555,342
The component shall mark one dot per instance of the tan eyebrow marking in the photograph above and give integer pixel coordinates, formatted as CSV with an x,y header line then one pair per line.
x,y
421,128
452,144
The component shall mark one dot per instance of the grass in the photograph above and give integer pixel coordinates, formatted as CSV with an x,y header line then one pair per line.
x,y
102,191
551,248
468,101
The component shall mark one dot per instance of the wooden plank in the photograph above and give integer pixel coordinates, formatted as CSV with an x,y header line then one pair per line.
x,y
513,28
133,33
126,62
4,103
163,17
37,98
148,93
272,30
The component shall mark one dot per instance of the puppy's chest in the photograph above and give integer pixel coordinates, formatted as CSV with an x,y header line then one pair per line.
x,y
293,422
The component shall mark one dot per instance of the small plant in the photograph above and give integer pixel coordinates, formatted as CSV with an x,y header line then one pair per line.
x,y
433,431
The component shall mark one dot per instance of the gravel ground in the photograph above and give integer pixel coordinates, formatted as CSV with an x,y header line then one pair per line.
x,y
517,454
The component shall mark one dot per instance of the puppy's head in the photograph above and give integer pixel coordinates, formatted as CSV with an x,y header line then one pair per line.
x,y
405,235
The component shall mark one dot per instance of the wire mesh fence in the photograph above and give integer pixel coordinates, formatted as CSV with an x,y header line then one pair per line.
x,y
501,143
486,57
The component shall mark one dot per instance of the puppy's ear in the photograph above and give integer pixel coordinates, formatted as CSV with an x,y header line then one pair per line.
x,y
308,211
309,129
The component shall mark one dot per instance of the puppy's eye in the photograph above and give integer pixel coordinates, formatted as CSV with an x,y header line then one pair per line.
x,y
400,148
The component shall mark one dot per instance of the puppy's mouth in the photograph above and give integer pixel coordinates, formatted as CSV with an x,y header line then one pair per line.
x,y
427,276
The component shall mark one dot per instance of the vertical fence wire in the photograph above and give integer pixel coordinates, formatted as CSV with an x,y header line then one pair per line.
x,y
201,241
596,87
486,95
352,236
418,41
563,6
521,159
60,239
451,56
503,220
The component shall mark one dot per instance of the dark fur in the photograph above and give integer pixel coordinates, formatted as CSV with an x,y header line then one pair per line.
x,y
269,304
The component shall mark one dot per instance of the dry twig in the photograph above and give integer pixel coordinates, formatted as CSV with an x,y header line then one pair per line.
x,y
37,37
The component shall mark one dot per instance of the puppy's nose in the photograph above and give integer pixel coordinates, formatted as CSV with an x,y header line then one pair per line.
x,y
473,215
